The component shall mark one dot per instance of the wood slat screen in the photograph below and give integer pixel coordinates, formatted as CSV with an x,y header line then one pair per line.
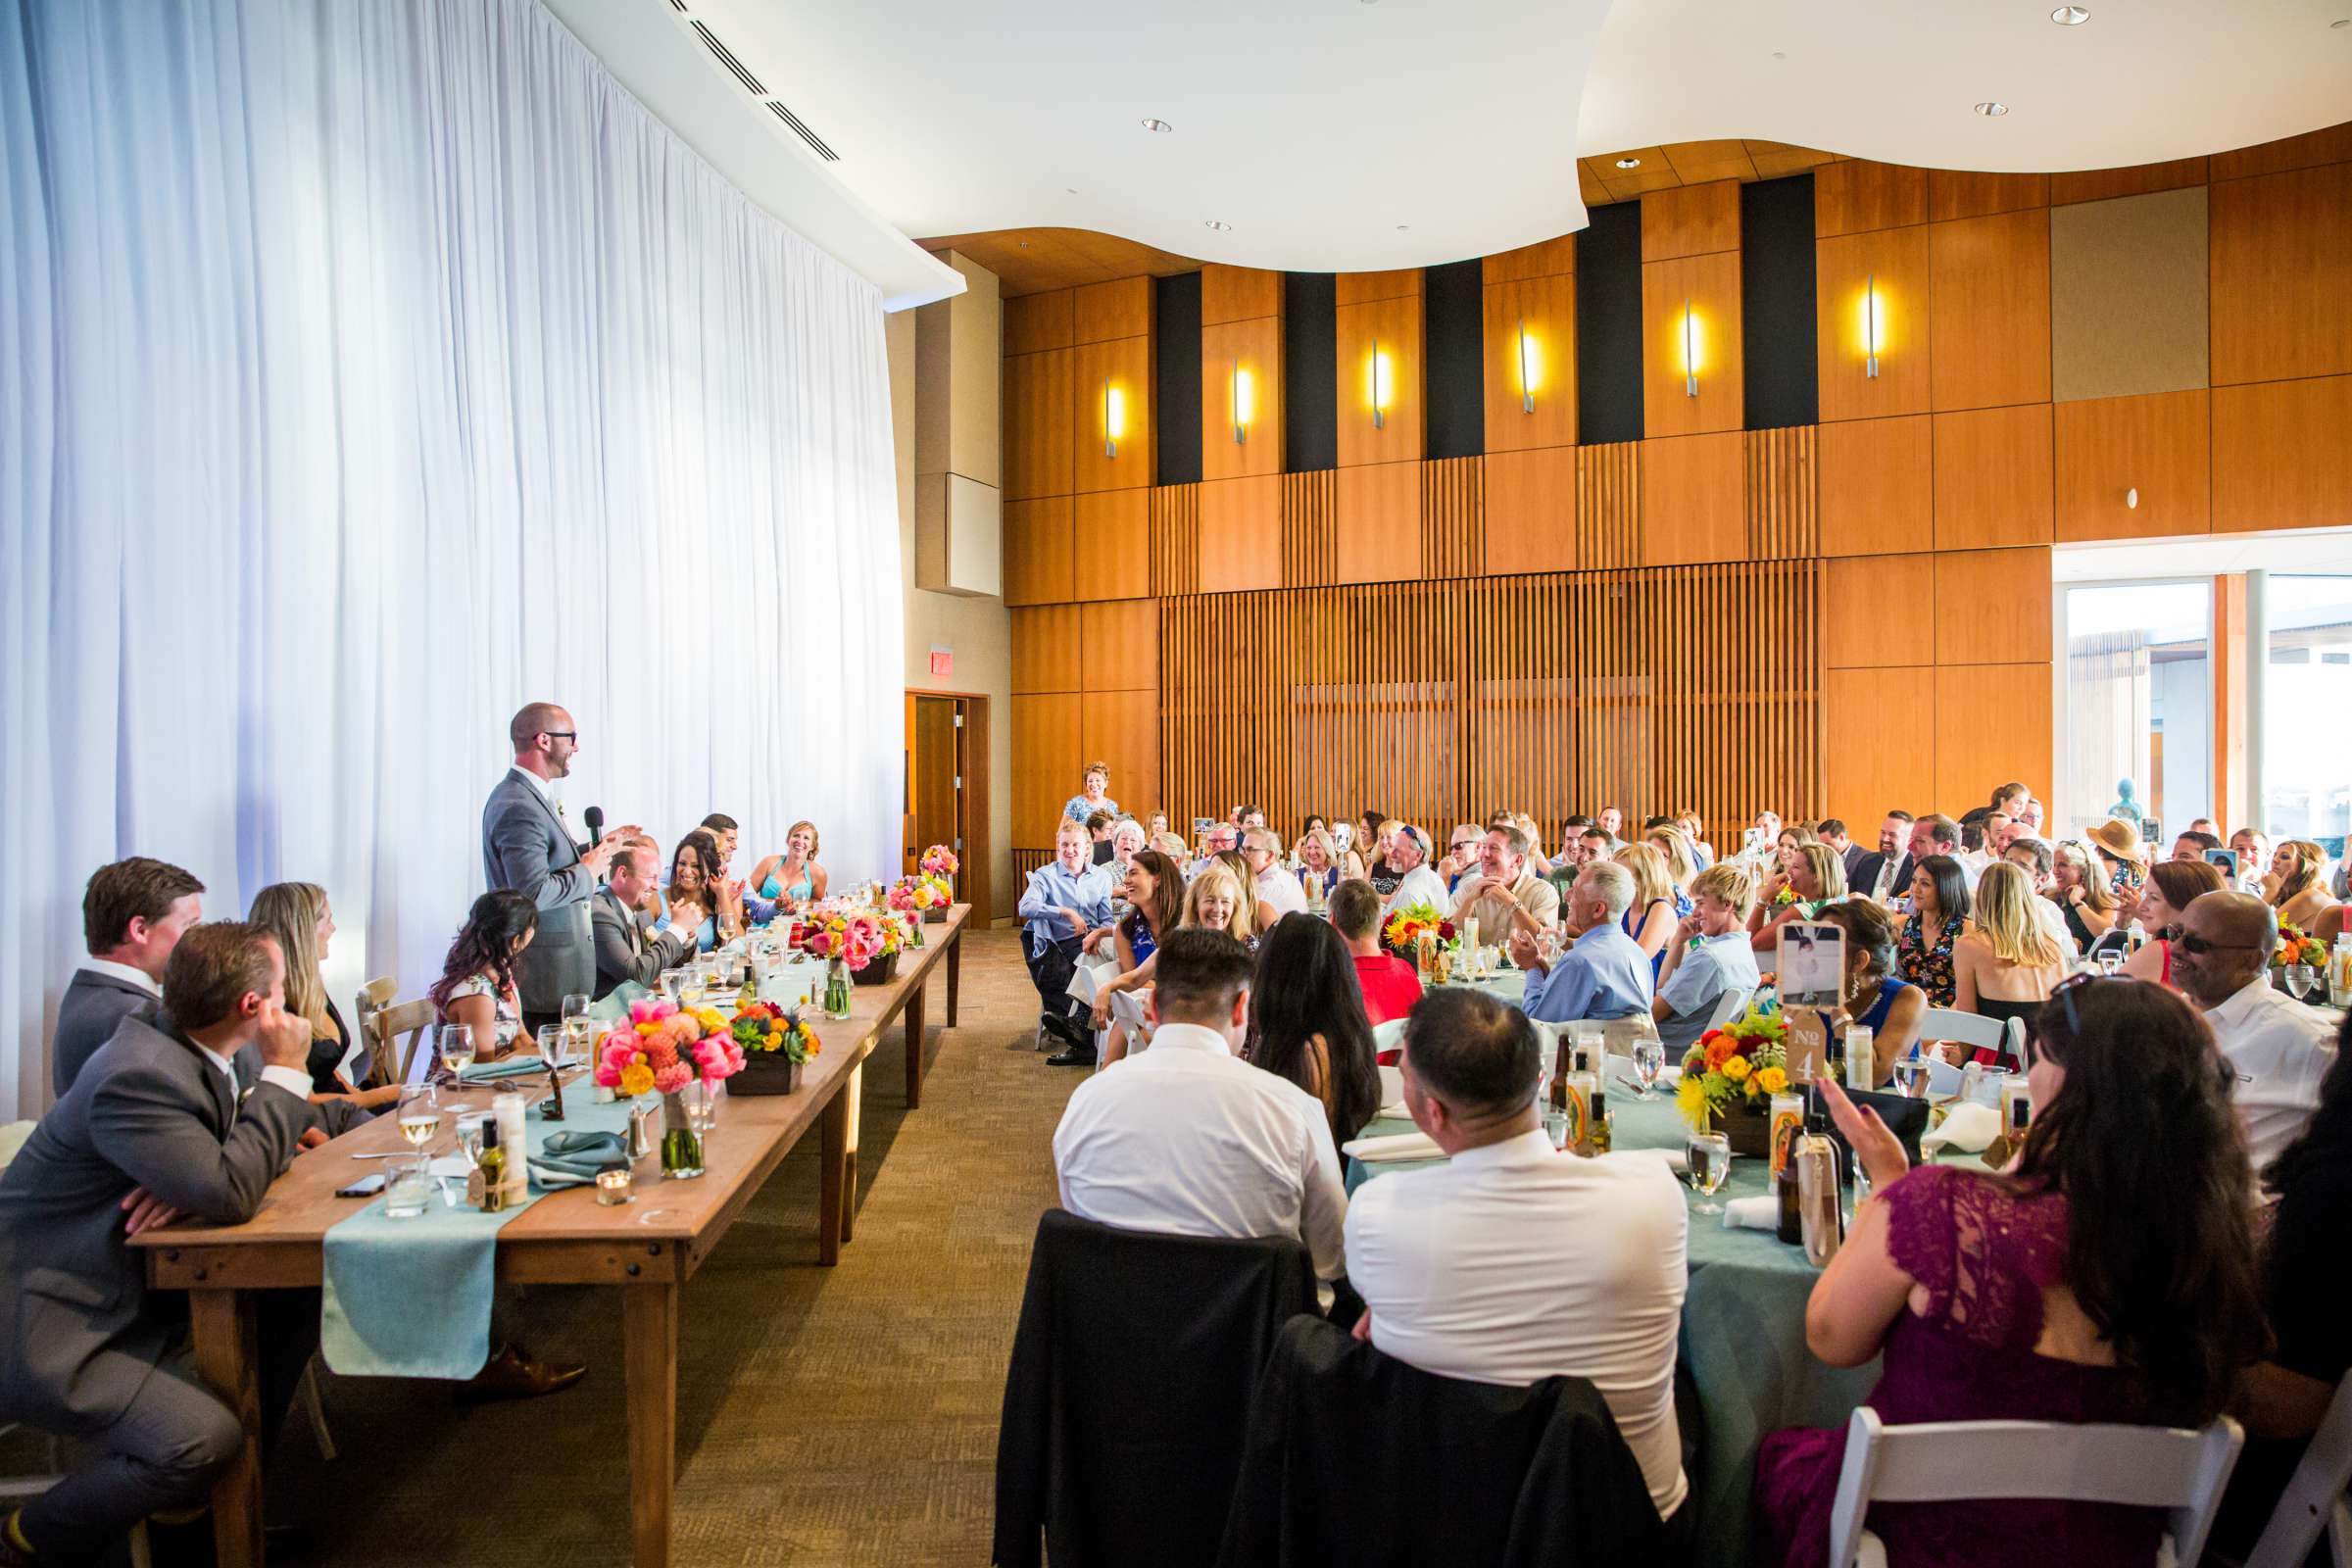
x,y
1175,540
1608,505
1438,701
1783,514
1453,517
1310,528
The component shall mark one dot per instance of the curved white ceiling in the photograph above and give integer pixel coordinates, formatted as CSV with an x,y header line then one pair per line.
x,y
1362,134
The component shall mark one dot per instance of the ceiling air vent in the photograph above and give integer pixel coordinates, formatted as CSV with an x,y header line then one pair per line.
x,y
805,134
726,58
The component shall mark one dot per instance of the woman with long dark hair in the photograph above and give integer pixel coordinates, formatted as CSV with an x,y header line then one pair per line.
x,y
2281,1399
476,987
2089,1282
2172,886
1307,1022
1923,952
697,887
1155,891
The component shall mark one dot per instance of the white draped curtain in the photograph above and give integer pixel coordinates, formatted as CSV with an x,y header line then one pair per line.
x,y
366,372
2109,718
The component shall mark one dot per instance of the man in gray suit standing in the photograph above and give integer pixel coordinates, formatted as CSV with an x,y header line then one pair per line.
x,y
152,1124
527,847
133,913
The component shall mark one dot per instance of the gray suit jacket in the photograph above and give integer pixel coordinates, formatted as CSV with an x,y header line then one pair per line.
x,y
78,1332
527,847
625,949
94,1003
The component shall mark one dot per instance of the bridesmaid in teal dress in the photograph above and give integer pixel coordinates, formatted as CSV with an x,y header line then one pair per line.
x,y
793,875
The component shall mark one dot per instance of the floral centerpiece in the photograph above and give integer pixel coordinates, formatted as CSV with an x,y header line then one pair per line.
x,y
1733,1072
923,897
661,1048
1405,927
2297,945
940,861
776,1042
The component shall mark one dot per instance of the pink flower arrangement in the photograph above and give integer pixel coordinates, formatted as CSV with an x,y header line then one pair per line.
x,y
662,1047
855,938
939,860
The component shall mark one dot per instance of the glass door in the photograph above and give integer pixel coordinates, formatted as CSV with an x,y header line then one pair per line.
x,y
2138,738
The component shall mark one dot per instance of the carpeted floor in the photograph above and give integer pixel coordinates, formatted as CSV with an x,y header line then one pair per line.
x,y
826,1416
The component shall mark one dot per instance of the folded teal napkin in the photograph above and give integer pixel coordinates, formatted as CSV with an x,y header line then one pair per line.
x,y
574,1159
483,1073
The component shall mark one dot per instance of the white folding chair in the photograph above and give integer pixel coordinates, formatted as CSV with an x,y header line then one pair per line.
x,y
2180,1471
2314,1498
1390,1036
1728,1006
1974,1030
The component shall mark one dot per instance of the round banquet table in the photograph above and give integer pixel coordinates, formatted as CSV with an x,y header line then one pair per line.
x,y
1743,1331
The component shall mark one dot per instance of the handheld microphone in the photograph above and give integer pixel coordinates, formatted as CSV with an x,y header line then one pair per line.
x,y
594,816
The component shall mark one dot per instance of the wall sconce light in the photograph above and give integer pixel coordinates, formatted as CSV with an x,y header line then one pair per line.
x,y
1244,404
1870,328
1115,418
1530,367
1380,387
1689,350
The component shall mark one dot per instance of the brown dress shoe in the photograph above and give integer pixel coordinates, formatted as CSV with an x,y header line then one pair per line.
x,y
514,1373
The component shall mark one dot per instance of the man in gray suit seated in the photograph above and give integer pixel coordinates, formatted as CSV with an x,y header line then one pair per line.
x,y
132,914
153,1125
527,847
625,949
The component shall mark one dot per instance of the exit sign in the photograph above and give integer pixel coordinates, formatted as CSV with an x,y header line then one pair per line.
x,y
942,661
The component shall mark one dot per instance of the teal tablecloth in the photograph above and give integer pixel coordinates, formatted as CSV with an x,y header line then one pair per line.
x,y
1744,1332
410,1298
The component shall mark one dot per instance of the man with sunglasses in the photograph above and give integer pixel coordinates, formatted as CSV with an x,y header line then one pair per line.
x,y
526,846
2279,1047
1417,884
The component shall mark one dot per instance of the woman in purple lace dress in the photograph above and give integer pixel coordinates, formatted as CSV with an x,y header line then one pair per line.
x,y
2089,1282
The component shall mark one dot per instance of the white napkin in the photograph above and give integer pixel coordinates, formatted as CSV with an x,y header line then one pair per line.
x,y
457,1165
1969,1128
1392,1090
1752,1213
1393,1145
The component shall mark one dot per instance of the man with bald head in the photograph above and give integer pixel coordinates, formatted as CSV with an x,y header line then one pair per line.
x,y
527,846
2279,1048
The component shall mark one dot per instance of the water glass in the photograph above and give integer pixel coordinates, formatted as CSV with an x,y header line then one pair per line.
x,y
2300,978
470,1136
1649,1060
550,1043
1555,1127
690,990
410,1189
1911,1077
673,983
1710,1159
2110,961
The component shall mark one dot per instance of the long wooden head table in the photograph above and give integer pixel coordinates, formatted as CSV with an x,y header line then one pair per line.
x,y
648,1249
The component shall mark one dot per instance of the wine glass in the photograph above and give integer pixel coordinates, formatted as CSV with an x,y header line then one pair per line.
x,y
691,988
1710,1158
1649,1060
1911,1077
550,1043
455,1045
2300,978
1555,1127
420,1117
673,983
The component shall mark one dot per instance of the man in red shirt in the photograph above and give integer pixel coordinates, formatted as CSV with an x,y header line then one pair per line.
x,y
1390,985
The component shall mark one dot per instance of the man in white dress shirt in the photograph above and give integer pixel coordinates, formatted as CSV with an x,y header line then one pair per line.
x,y
1409,854
1190,1140
1261,852
1444,1260
2279,1048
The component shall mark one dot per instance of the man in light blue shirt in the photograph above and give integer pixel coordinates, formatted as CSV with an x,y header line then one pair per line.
x,y
1709,955
1605,974
1065,899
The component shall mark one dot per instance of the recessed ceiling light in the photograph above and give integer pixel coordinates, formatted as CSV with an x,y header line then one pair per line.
x,y
1157,125
1629,162
1993,109
1217,224
2070,16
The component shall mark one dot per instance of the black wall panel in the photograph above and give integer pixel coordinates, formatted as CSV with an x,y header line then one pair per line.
x,y
1176,376
1608,326
1310,356
1454,350
1777,302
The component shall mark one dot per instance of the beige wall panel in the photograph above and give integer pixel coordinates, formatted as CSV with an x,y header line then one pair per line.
x,y
1035,322
1531,511
1122,728
2159,445
1380,523
2280,455
1101,312
1694,499
1988,310
1119,645
1993,607
2282,276
1993,477
2128,282
1038,558
1992,724
1240,534
1046,757
1044,645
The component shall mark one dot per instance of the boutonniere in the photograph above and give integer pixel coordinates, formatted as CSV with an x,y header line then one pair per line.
x,y
559,811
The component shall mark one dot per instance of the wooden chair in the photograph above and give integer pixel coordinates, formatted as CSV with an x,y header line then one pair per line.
x,y
2314,1498
1957,1461
386,1024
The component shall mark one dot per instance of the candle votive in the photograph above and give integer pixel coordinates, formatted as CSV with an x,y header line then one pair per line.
x,y
613,1188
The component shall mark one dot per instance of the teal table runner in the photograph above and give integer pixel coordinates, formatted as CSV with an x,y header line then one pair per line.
x,y
410,1298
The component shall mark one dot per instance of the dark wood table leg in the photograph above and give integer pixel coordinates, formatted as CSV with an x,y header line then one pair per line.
x,y
855,1091
227,1358
954,973
912,1018
832,1163
648,1319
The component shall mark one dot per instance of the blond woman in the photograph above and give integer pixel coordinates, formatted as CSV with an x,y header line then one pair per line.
x,y
1652,917
298,915
2293,887
2006,963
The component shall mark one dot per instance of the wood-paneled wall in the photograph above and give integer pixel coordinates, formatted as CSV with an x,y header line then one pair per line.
x,y
1831,619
